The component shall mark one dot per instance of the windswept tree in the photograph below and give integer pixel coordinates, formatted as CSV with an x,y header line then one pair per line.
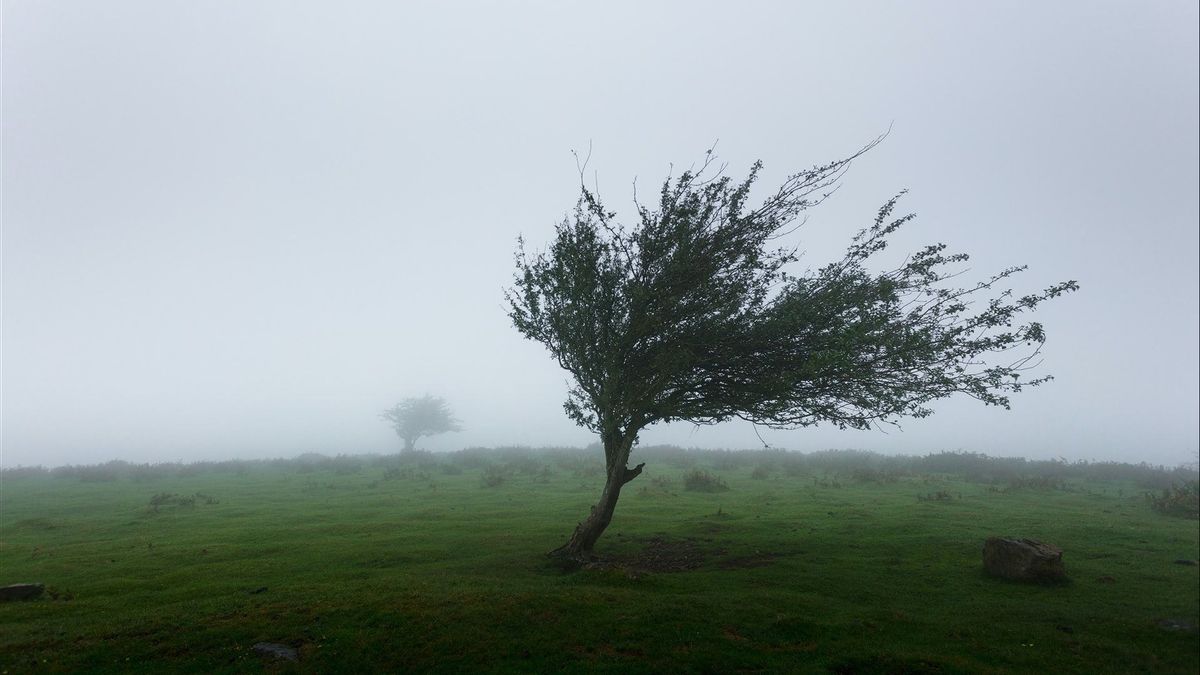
x,y
413,418
691,313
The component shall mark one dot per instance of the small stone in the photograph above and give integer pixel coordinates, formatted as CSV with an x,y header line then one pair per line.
x,y
1182,625
277,650
1023,559
21,592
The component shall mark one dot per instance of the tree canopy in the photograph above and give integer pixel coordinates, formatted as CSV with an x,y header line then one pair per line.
x,y
426,415
694,313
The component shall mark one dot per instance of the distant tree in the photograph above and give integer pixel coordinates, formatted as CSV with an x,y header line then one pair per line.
x,y
689,315
413,418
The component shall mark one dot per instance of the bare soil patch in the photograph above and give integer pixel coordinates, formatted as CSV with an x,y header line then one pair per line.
x,y
747,561
661,553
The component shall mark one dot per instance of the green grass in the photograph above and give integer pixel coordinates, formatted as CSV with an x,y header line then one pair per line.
x,y
432,571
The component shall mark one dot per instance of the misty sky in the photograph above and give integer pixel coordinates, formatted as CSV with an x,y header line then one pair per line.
x,y
244,228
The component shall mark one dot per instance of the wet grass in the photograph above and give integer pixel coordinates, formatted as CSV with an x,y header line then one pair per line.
x,y
440,569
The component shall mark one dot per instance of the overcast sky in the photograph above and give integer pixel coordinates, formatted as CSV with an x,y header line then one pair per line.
x,y
244,228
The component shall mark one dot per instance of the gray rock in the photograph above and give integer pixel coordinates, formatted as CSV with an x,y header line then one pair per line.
x,y
1023,559
277,650
1182,625
21,592
1185,561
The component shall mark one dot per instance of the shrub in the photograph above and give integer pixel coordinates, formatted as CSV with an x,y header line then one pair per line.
x,y
344,465
144,473
23,472
493,476
98,473
470,458
866,474
1037,483
171,499
1181,499
760,473
939,496
698,480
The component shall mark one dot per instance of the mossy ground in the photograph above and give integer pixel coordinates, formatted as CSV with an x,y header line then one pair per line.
x,y
427,569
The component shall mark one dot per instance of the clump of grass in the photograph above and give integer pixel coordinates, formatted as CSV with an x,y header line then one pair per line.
x,y
760,473
162,499
939,496
698,480
1181,499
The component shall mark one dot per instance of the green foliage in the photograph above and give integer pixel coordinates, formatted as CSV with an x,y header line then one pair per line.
x,y
689,314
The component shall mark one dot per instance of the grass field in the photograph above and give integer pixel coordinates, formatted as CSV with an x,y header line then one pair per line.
x,y
436,564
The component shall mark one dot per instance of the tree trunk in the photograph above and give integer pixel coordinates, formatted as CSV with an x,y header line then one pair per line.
x,y
409,445
579,547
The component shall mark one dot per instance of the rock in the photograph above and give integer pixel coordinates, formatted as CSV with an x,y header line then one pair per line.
x,y
1185,561
1023,559
277,650
21,592
1182,625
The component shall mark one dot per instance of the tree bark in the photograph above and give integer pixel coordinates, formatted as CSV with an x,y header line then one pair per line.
x,y
579,547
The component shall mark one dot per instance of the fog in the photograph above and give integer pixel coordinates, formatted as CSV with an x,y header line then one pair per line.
x,y
243,229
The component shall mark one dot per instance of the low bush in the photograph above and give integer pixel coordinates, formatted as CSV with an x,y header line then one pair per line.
x,y
939,496
493,476
1181,499
162,499
1037,483
698,480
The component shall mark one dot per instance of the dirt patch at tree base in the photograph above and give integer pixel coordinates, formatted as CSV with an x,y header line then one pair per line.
x,y
661,553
